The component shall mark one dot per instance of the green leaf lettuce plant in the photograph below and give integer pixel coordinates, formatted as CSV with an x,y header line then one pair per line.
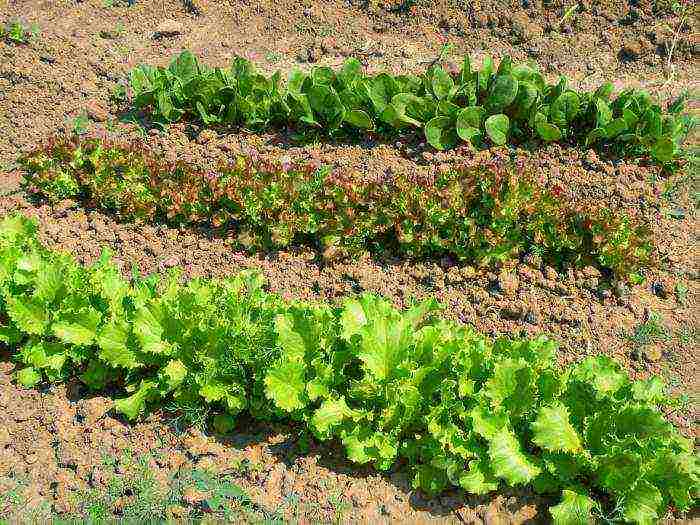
x,y
389,385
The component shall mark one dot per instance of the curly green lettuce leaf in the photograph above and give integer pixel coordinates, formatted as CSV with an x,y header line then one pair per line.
x,y
553,431
508,460
574,509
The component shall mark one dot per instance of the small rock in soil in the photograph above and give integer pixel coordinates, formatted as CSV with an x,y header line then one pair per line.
x,y
96,111
523,28
551,274
193,496
660,290
591,271
533,316
621,289
205,136
653,353
633,48
309,54
168,28
508,283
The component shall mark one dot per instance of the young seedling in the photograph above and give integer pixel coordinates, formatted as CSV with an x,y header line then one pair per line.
x,y
17,33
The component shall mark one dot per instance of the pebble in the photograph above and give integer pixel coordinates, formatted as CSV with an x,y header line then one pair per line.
x,y
206,136
168,28
620,289
508,283
660,290
551,274
96,111
653,353
633,48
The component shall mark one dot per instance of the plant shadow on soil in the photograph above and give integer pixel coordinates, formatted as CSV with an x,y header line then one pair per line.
x,y
410,144
282,138
287,444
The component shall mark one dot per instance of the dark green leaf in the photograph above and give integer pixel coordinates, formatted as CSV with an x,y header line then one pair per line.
x,y
440,133
502,93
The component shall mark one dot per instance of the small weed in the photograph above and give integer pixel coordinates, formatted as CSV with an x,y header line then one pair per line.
x,y
186,414
18,33
650,331
681,293
115,33
122,50
688,336
108,4
118,93
273,57
308,27
340,506
191,7
79,124
683,9
11,498
568,14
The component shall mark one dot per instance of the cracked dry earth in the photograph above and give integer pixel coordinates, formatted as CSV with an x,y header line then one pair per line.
x,y
64,454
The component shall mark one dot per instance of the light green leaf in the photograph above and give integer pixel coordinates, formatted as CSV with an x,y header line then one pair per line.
x,y
508,460
603,113
564,109
133,405
502,93
28,315
651,390
212,390
511,386
553,431
329,415
442,83
602,373
384,344
642,504
359,119
78,329
469,123
574,509
49,280
45,355
497,127
291,341
148,332
547,132
352,319
488,423
615,127
285,385
662,150
173,374
618,470
29,377
440,133
357,445
113,343
478,479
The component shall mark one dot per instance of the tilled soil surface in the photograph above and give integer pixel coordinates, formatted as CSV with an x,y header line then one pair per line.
x,y
57,448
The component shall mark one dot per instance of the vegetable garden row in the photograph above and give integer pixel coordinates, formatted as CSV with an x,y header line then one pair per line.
x,y
487,213
507,104
393,387
389,385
